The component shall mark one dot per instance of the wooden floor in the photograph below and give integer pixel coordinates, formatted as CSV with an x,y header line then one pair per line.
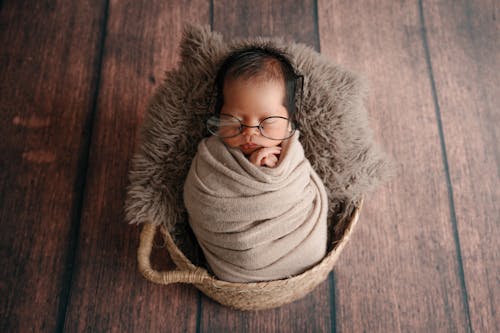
x,y
75,80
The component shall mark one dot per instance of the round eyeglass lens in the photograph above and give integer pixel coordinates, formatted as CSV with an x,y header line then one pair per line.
x,y
277,128
224,126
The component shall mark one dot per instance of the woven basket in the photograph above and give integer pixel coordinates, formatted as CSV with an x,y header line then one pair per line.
x,y
243,296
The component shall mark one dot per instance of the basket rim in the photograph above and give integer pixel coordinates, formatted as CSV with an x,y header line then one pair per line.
x,y
332,255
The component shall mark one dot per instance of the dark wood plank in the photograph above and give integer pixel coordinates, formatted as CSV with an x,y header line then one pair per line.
x,y
108,294
293,20
400,272
466,74
48,77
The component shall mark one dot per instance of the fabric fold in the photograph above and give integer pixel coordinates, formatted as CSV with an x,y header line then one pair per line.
x,y
256,223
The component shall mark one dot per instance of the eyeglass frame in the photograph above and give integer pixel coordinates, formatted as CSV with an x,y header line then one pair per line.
x,y
242,126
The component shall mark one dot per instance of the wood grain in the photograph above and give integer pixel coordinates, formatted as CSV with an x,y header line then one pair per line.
x,y
48,77
466,75
294,21
400,272
291,19
75,80
108,294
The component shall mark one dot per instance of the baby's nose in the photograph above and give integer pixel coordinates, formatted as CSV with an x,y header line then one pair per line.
x,y
248,131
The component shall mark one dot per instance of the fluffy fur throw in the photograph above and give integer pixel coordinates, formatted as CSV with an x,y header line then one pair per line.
x,y
333,122
256,223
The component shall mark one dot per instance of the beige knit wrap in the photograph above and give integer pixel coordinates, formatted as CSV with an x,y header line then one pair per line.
x,y
256,223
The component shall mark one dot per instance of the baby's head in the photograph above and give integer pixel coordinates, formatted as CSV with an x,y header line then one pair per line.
x,y
255,104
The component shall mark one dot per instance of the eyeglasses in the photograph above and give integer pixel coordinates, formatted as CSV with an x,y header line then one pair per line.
x,y
274,127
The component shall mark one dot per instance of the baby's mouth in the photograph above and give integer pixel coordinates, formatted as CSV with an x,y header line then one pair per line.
x,y
247,146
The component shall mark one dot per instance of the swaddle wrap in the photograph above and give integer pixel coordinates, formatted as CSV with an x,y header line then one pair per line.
x,y
256,223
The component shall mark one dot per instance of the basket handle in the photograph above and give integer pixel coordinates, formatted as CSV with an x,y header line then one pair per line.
x,y
198,275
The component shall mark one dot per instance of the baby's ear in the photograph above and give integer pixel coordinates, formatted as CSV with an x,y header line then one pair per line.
x,y
201,47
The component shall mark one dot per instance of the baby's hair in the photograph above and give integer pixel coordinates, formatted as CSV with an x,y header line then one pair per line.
x,y
263,63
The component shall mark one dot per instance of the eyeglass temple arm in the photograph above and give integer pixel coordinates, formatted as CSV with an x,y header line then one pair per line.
x,y
297,114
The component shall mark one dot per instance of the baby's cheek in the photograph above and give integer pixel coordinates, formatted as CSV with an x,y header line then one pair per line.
x,y
232,142
273,143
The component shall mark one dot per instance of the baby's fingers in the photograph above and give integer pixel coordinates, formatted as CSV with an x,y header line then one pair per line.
x,y
257,156
270,160
273,150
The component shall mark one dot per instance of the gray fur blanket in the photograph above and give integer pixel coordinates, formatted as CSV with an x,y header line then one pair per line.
x,y
335,132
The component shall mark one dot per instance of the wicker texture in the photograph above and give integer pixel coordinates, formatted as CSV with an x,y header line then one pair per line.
x,y
336,139
243,296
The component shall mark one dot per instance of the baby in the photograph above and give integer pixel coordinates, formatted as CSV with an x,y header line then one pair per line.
x,y
255,105
255,204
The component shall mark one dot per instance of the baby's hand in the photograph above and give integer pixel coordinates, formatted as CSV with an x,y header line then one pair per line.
x,y
267,156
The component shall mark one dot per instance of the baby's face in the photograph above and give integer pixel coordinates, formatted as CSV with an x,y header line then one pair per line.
x,y
251,101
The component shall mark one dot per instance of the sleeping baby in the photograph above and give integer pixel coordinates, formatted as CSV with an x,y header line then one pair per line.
x,y
255,204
